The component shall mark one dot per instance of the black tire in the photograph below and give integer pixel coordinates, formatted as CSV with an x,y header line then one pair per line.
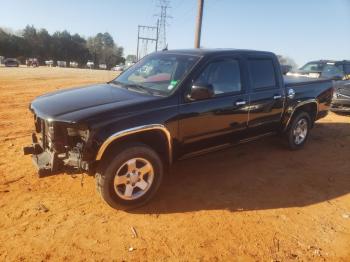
x,y
111,164
292,141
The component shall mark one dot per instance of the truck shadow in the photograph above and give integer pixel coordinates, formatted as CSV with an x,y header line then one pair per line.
x,y
260,175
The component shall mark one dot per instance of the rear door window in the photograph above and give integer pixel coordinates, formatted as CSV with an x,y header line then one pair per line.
x,y
262,73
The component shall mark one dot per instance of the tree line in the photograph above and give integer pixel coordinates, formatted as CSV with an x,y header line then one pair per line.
x,y
60,46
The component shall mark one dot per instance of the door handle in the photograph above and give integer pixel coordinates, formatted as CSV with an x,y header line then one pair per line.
x,y
240,103
277,97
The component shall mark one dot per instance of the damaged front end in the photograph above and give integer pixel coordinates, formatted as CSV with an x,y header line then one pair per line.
x,y
58,146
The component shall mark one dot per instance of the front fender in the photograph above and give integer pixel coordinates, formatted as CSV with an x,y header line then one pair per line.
x,y
136,130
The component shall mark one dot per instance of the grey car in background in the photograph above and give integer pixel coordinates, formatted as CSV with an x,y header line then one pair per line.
x,y
339,71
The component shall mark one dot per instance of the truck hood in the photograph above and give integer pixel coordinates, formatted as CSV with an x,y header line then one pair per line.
x,y
73,105
312,74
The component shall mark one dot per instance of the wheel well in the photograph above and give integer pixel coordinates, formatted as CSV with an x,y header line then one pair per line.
x,y
155,139
310,108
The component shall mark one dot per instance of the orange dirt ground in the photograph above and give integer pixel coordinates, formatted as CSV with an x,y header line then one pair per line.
x,y
254,202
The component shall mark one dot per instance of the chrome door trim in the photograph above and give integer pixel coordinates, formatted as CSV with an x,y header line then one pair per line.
x,y
136,130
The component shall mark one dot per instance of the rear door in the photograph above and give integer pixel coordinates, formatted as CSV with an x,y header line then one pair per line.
x,y
266,94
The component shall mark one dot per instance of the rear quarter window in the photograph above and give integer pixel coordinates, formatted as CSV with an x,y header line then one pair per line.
x,y
262,73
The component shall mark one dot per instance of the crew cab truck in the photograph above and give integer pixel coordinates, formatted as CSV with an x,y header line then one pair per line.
x,y
170,105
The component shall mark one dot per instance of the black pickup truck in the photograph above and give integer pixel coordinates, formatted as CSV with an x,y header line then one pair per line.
x,y
170,105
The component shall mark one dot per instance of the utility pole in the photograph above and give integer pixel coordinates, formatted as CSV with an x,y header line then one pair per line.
x,y
197,39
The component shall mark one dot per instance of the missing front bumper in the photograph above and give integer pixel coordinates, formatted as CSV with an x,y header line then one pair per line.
x,y
46,162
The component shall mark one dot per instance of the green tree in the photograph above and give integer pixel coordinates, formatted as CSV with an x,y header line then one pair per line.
x,y
131,58
104,50
61,45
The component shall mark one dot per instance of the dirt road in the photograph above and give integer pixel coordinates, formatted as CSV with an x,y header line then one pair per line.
x,y
255,202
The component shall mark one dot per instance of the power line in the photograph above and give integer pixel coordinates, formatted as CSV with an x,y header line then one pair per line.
x,y
145,36
163,22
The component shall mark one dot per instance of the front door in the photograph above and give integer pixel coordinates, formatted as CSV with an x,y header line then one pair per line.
x,y
212,121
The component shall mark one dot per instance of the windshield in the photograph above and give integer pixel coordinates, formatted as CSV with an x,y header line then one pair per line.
x,y
313,67
326,70
158,74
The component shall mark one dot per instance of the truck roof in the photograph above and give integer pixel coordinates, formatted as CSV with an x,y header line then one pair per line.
x,y
331,61
205,51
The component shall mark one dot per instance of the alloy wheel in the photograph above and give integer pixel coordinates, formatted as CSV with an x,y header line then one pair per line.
x,y
133,179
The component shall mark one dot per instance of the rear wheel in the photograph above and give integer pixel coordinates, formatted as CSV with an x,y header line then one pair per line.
x,y
130,177
298,131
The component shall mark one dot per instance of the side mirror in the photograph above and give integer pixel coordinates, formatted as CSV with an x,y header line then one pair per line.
x,y
200,92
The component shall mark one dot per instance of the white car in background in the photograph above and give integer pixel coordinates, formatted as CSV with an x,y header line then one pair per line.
x,y
118,68
90,64
102,66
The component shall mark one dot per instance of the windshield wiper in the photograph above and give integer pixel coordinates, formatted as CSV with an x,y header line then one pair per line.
x,y
116,83
140,87
134,86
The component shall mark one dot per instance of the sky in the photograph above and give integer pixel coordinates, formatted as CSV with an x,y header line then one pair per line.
x,y
301,29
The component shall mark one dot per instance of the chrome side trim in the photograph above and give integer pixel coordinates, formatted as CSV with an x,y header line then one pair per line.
x,y
291,110
136,130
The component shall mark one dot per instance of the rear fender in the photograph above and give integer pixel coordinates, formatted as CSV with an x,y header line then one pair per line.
x,y
290,111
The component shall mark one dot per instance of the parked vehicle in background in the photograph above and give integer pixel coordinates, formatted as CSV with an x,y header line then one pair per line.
x,y
339,71
129,64
61,63
102,66
90,64
171,105
1,60
33,62
118,68
73,64
336,70
49,63
11,62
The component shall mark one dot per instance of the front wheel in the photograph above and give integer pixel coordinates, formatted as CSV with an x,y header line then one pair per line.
x,y
298,131
130,177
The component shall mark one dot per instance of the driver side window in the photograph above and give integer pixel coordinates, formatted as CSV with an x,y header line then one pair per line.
x,y
222,76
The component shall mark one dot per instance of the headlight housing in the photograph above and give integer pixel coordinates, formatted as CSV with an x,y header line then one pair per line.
x,y
74,132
